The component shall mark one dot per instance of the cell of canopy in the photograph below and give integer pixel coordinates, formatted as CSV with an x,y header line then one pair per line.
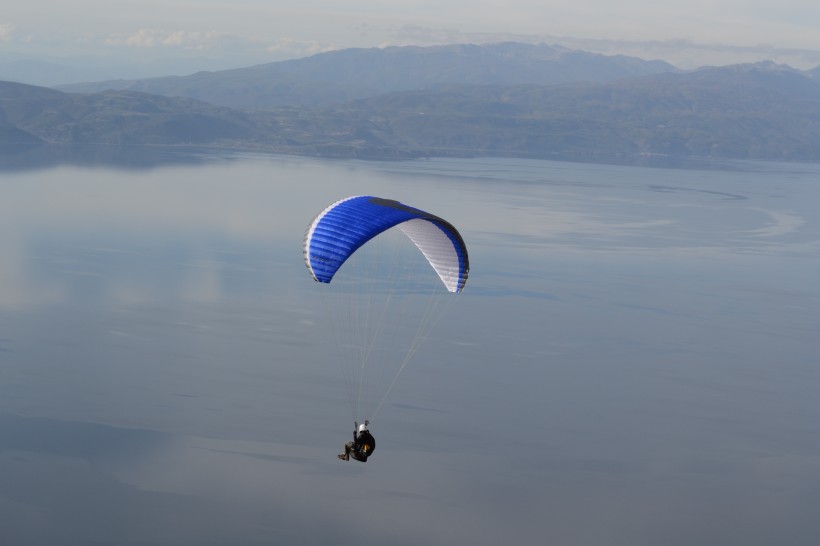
x,y
343,227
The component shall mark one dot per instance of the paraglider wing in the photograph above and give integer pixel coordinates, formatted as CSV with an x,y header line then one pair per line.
x,y
342,228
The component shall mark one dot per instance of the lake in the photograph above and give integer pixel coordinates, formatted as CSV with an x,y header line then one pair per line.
x,y
634,360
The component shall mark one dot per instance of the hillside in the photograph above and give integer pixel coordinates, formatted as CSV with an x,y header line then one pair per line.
x,y
758,111
119,117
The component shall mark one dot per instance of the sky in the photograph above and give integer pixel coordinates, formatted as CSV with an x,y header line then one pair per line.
x,y
243,32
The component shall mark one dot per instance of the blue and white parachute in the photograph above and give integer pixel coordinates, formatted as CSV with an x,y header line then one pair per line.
x,y
343,227
388,295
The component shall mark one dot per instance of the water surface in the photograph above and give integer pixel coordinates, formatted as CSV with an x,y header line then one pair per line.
x,y
634,360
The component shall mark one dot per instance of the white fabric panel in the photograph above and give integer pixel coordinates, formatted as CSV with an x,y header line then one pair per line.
x,y
436,247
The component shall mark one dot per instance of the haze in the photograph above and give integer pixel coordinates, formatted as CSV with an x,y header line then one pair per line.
x,y
216,34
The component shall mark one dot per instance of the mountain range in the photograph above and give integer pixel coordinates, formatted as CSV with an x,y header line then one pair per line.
x,y
398,102
350,74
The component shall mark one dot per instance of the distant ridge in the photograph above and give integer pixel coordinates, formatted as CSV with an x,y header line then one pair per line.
x,y
350,74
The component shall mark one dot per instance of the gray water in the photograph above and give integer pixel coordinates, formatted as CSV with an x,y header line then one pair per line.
x,y
634,359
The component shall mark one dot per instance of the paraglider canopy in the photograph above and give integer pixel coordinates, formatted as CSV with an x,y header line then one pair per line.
x,y
384,287
342,228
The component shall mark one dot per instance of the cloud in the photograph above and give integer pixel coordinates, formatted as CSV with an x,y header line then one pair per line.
x,y
150,38
219,43
684,53
6,32
228,46
691,54
297,48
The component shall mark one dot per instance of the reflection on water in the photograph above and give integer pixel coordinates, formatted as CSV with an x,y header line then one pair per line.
x,y
634,358
26,157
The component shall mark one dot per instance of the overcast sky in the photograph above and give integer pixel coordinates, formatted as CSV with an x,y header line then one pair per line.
x,y
691,32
